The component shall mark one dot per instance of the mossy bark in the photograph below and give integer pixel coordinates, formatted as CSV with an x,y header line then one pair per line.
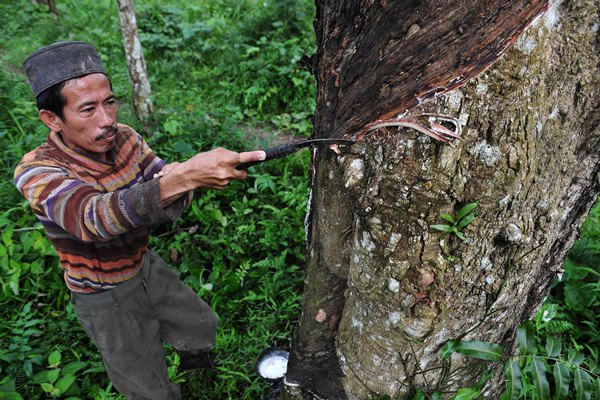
x,y
383,291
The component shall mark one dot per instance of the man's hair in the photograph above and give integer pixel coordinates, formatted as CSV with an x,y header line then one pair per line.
x,y
53,100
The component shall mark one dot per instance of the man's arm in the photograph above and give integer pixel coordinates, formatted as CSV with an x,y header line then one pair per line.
x,y
58,197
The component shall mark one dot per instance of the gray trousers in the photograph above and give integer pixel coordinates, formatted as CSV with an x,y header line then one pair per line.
x,y
129,323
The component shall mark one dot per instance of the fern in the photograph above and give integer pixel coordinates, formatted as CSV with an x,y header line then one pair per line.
x,y
560,327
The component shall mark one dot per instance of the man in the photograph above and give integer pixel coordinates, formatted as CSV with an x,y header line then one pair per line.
x,y
97,188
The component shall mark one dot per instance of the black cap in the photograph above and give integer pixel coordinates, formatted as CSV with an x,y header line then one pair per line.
x,y
60,62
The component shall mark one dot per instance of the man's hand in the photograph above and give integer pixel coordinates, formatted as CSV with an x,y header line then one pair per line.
x,y
213,169
216,168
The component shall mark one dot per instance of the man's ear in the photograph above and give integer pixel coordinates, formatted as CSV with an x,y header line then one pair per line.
x,y
51,120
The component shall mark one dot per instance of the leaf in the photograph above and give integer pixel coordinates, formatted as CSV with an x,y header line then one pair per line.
x,y
65,383
549,312
28,368
11,396
562,375
54,359
14,284
33,322
466,394
513,379
466,221
448,218
40,377
52,375
48,388
465,210
575,357
7,384
443,228
460,235
481,350
553,346
448,349
526,339
583,384
7,236
538,369
73,367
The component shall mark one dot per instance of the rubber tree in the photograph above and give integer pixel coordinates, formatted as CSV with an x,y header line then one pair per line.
x,y
384,291
136,63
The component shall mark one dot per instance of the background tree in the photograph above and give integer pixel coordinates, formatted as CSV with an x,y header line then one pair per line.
x,y
51,5
384,292
135,61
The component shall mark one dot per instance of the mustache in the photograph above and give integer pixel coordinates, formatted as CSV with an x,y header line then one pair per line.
x,y
110,130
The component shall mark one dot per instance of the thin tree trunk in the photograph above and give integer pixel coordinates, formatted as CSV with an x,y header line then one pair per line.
x,y
383,293
135,61
51,5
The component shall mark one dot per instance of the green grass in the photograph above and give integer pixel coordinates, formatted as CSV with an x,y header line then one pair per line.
x,y
223,73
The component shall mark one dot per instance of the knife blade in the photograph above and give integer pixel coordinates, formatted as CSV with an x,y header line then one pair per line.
x,y
292,147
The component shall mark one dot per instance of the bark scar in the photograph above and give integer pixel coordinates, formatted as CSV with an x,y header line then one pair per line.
x,y
429,124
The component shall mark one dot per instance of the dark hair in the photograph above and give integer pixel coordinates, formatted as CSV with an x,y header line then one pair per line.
x,y
53,100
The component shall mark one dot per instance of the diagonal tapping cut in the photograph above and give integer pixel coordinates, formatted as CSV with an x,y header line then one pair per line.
x,y
426,123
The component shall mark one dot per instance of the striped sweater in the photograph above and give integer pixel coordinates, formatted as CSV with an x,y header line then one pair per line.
x,y
97,215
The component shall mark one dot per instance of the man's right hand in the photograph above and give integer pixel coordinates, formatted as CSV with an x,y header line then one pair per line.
x,y
212,169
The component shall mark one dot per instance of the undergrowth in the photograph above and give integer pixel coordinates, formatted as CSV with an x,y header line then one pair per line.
x,y
223,73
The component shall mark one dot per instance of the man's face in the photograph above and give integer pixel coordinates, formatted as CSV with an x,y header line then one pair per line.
x,y
90,115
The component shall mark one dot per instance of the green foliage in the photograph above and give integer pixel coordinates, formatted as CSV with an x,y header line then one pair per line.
x,y
241,250
457,223
574,300
572,374
23,342
7,389
19,131
472,348
223,73
233,57
481,350
24,252
59,381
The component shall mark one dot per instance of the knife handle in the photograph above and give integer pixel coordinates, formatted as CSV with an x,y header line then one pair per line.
x,y
273,153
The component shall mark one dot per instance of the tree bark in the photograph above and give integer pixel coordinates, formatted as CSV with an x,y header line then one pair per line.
x,y
135,61
383,292
51,5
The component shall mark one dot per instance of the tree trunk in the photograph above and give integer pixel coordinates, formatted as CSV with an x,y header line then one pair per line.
x,y
383,291
135,61
51,5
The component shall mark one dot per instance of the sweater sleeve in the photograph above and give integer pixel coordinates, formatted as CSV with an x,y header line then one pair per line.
x,y
57,197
